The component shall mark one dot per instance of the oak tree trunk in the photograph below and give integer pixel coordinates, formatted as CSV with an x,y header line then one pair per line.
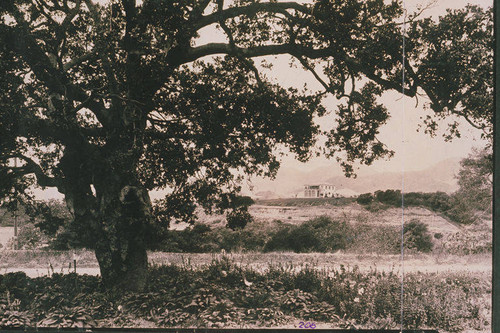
x,y
120,239
112,217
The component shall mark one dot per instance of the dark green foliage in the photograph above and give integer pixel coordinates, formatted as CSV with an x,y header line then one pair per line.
x,y
243,201
436,201
443,66
49,215
462,213
299,239
467,205
55,221
15,284
417,236
473,200
30,237
195,239
279,240
238,218
452,206
202,238
475,179
369,238
364,199
439,201
318,235
376,206
389,197
242,240
321,234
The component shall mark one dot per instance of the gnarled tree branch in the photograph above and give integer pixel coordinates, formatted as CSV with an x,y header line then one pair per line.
x,y
31,167
267,7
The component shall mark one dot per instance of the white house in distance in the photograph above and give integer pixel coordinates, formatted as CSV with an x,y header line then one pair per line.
x,y
319,191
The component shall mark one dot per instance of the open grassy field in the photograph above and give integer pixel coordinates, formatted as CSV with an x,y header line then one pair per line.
x,y
354,213
448,288
42,261
298,210
451,252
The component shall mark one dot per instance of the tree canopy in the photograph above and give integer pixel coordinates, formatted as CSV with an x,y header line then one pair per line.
x,y
474,197
107,102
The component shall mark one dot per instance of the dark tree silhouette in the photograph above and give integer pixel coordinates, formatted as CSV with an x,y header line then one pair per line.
x,y
106,102
474,197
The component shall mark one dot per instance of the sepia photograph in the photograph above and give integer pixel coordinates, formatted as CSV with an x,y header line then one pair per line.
x,y
246,164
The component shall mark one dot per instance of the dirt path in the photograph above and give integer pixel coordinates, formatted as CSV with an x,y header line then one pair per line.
x,y
292,261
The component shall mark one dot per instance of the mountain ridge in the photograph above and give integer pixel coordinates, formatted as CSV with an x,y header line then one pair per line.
x,y
290,181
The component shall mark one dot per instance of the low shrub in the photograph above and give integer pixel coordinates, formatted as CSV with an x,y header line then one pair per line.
x,y
307,202
195,239
251,238
321,234
451,206
389,197
201,238
279,240
467,243
30,237
364,199
376,206
238,218
56,223
417,236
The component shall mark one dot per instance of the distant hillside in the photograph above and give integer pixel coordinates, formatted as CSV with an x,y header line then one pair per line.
x,y
306,202
350,212
289,182
440,177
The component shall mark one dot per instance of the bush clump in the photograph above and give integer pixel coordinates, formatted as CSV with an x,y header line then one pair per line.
x,y
238,219
417,236
451,206
364,199
321,234
389,197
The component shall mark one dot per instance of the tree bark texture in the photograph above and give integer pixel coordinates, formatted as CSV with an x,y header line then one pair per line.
x,y
120,246
112,216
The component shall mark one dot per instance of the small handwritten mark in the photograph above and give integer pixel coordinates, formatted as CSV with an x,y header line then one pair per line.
x,y
307,325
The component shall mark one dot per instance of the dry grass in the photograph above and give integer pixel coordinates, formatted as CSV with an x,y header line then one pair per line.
x,y
42,258
22,260
413,263
354,213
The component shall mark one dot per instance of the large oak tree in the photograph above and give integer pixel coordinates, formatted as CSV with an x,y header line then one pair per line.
x,y
107,102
